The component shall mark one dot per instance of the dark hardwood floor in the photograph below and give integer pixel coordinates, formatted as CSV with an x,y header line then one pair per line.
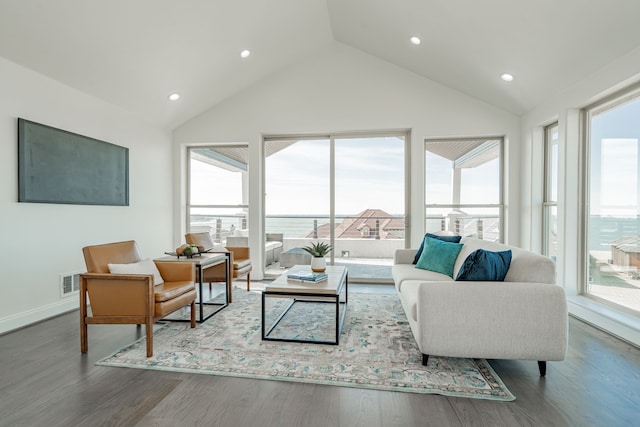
x,y
46,381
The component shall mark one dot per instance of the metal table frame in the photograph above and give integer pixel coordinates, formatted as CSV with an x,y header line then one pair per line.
x,y
303,297
199,268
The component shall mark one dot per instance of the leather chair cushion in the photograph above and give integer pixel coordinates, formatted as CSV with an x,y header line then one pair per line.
x,y
170,290
241,264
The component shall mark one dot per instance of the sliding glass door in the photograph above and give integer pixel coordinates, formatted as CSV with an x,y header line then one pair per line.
x,y
346,190
369,204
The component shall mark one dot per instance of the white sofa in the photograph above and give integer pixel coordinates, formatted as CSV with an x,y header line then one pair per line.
x,y
272,245
523,317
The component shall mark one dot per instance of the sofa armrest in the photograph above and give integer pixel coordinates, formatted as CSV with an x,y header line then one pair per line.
x,y
275,237
235,241
404,256
501,320
172,271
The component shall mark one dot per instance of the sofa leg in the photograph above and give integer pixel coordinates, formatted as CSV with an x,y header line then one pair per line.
x,y
248,282
542,366
425,359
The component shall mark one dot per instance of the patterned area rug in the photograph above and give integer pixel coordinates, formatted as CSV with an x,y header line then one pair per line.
x,y
376,349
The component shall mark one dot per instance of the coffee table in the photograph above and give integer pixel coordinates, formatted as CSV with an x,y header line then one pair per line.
x,y
334,290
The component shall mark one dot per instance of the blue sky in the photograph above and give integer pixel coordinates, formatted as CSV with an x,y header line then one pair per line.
x,y
614,161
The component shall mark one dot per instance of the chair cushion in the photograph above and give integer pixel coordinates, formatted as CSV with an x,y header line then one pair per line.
x,y
146,266
241,264
170,290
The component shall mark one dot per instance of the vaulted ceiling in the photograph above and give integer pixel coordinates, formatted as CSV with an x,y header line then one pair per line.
x,y
134,53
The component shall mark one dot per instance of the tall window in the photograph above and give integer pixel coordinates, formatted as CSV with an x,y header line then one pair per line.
x,y
550,203
613,185
463,187
218,191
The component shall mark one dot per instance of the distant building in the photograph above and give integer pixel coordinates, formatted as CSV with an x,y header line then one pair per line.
x,y
368,224
625,252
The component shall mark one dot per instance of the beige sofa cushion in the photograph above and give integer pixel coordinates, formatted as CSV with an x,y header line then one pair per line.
x,y
403,272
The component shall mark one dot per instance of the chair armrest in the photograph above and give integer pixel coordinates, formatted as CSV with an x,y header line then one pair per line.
x,y
118,294
172,271
239,252
404,256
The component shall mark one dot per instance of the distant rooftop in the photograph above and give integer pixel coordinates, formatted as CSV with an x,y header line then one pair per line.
x,y
370,223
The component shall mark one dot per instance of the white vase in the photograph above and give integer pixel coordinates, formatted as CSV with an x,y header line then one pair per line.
x,y
318,264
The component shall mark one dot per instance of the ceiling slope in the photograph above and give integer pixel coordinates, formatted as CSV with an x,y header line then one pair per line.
x,y
548,45
133,54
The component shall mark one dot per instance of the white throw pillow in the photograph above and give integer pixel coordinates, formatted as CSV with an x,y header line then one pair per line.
x,y
146,266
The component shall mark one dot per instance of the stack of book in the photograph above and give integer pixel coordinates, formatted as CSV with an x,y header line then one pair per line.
x,y
307,276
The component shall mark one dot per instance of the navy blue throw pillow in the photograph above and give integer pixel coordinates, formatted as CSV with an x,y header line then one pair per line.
x,y
483,265
450,239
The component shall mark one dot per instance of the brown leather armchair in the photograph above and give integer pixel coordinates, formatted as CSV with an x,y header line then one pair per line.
x,y
131,298
239,266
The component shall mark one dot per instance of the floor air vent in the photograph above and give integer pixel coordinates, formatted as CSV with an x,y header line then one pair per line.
x,y
69,284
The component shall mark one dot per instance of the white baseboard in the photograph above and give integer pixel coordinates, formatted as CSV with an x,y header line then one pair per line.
x,y
26,318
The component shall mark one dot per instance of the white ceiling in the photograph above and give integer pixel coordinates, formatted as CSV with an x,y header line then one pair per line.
x,y
134,53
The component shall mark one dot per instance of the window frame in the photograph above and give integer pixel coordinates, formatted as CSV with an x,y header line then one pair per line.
x,y
501,206
548,202
189,206
404,134
587,113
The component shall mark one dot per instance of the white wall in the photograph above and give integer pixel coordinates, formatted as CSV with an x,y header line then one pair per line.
x,y
340,89
42,241
565,108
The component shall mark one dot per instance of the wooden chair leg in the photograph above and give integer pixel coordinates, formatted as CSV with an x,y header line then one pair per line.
x,y
248,282
84,341
149,337
84,344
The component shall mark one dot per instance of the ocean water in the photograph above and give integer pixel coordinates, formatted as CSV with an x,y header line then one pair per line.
x,y
293,227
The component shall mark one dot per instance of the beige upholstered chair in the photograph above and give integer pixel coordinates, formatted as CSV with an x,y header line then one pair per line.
x,y
132,298
239,266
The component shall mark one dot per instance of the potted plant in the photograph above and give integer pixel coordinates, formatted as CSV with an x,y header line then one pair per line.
x,y
318,251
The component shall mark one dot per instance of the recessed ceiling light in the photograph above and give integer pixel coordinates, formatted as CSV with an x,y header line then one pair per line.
x,y
415,40
506,77
174,96
245,53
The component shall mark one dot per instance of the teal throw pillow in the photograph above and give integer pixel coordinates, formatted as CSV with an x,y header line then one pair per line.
x,y
482,265
452,239
438,256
